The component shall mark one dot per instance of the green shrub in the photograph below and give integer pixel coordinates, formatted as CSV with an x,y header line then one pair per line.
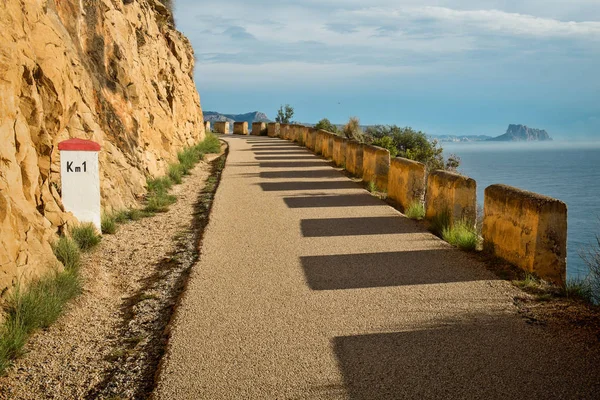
x,y
156,185
188,158
108,224
372,187
85,235
326,125
352,130
67,252
579,289
416,210
461,235
210,145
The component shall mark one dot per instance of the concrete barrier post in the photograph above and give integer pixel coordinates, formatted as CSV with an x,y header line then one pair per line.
x,y
207,126
526,229
80,178
311,139
339,151
318,142
304,136
376,166
327,144
406,183
354,157
222,127
259,128
284,131
273,129
452,193
240,128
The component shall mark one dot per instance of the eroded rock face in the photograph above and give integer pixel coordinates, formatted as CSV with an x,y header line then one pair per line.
x,y
116,72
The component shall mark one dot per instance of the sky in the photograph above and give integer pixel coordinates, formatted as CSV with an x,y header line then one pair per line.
x,y
458,67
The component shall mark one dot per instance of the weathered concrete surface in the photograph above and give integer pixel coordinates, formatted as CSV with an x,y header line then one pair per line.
x,y
339,151
406,183
327,144
319,138
303,136
221,127
259,129
240,128
354,157
376,166
453,193
310,288
207,126
311,139
273,129
284,131
526,229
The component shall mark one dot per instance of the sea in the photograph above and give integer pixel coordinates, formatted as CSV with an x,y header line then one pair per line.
x,y
568,171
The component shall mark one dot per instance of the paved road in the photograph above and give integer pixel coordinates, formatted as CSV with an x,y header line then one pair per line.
x,y
310,288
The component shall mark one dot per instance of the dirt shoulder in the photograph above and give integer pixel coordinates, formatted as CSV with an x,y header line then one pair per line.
x,y
109,343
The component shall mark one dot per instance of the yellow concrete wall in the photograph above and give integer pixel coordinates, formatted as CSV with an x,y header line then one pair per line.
x,y
284,131
327,144
339,150
221,127
526,229
311,139
240,128
354,157
406,182
318,142
303,136
376,166
452,192
273,129
207,126
259,128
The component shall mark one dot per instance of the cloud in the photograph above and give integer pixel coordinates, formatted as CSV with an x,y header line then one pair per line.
x,y
238,33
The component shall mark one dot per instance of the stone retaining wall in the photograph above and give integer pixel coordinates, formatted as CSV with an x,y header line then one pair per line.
x,y
284,131
406,183
526,229
259,129
221,127
376,166
452,193
311,139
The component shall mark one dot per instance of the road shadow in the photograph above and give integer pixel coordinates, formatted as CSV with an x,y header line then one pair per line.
x,y
486,358
293,164
345,200
404,268
298,174
284,157
280,153
301,185
361,226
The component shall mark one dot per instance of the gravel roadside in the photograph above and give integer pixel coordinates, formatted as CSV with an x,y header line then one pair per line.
x,y
109,343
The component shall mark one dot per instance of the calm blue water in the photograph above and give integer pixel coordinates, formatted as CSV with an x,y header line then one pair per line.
x,y
566,171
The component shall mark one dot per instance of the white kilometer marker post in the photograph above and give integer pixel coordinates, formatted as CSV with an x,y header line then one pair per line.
x,y
80,176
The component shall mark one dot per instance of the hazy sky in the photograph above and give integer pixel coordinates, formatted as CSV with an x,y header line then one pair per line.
x,y
442,66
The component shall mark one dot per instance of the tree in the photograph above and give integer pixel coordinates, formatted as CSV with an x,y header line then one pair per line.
x,y
284,114
326,125
414,145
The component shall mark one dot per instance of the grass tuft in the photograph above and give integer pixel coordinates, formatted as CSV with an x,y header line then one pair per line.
x,y
85,235
440,222
372,187
461,235
67,252
416,210
159,203
108,224
578,289
176,173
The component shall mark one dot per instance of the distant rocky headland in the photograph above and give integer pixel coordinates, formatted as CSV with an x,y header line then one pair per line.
x,y
522,133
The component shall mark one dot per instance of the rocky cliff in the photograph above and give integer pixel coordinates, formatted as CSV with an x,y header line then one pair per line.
x,y
521,133
113,71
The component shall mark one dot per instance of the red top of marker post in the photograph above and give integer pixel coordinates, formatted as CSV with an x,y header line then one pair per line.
x,y
78,145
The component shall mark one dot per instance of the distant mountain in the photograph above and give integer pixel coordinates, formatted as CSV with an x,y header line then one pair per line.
x,y
250,117
521,133
464,138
